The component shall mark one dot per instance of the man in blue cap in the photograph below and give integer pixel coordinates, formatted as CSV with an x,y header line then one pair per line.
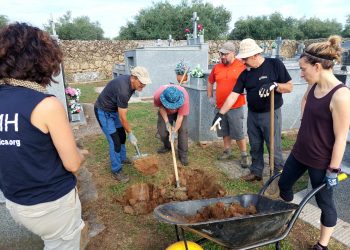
x,y
173,103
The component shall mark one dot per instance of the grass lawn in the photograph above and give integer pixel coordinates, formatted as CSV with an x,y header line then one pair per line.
x,y
124,231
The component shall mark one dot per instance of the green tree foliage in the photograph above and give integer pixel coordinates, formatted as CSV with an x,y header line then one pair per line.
x,y
79,28
316,28
346,31
164,18
274,25
3,20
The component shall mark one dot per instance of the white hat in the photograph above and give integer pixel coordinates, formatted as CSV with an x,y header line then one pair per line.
x,y
142,74
247,48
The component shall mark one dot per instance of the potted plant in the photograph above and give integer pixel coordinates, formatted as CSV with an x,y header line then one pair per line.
x,y
197,75
181,71
74,107
189,37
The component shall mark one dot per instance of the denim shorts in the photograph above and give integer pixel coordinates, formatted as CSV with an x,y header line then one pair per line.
x,y
232,124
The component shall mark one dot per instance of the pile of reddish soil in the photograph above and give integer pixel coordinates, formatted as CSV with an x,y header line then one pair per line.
x,y
142,198
147,165
219,211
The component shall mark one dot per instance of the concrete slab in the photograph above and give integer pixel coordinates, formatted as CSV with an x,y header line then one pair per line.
x,y
15,237
311,214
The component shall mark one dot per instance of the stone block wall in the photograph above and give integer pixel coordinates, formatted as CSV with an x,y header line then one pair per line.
x,y
86,61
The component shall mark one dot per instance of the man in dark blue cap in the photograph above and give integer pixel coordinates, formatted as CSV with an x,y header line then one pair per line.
x,y
173,103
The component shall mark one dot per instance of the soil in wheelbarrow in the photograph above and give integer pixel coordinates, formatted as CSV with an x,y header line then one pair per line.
x,y
220,210
142,198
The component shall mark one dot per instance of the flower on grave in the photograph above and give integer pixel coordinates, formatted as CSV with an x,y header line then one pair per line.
x,y
200,29
74,107
72,93
197,72
188,33
182,67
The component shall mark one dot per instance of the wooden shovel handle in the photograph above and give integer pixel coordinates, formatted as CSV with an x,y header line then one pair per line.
x,y
272,132
174,161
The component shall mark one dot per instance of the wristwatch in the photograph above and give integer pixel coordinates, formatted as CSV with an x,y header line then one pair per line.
x,y
334,170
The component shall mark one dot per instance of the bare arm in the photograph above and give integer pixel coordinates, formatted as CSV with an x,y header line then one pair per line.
x,y
341,119
163,113
178,123
230,100
285,87
50,117
122,116
210,88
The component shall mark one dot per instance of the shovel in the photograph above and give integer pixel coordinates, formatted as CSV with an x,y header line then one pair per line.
x,y
273,190
178,188
146,164
272,132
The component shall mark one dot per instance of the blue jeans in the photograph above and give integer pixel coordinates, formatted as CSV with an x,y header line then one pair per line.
x,y
259,132
116,137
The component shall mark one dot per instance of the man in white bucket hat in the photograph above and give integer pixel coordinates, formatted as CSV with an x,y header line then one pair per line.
x,y
261,77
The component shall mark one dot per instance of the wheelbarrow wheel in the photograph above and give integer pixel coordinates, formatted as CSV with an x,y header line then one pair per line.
x,y
180,245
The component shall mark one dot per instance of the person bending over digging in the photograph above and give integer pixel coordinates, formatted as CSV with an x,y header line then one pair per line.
x,y
323,132
174,106
111,108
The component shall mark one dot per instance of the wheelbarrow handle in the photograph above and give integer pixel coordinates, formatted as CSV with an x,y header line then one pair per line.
x,y
341,177
297,212
268,182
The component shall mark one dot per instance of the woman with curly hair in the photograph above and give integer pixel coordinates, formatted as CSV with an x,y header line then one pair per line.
x,y
38,153
323,132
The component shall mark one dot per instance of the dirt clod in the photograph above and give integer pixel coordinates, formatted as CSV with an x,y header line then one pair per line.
x,y
220,211
147,165
142,198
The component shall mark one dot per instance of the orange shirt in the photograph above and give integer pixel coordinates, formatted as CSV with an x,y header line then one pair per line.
x,y
226,78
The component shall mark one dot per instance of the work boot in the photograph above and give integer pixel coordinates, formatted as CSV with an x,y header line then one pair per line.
x,y
127,161
225,155
251,177
120,177
163,150
184,161
245,161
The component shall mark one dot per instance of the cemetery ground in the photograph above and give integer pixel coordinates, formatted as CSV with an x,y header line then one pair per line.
x,y
143,232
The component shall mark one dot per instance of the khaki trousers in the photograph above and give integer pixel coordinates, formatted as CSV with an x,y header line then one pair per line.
x,y
58,222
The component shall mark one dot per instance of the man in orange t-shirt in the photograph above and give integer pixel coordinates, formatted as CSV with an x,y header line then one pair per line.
x,y
225,75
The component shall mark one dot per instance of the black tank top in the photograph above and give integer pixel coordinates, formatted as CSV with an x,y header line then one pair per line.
x,y
316,138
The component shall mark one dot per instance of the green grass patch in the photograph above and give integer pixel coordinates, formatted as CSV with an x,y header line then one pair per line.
x,y
88,92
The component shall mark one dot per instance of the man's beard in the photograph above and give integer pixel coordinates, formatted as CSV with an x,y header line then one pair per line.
x,y
224,61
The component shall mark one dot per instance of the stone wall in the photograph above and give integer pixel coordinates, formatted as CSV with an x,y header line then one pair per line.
x,y
86,61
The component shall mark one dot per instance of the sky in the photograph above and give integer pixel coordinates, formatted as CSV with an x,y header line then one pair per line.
x,y
112,14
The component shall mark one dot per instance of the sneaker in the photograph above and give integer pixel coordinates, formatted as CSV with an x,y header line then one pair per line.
x,y
319,247
163,150
245,161
120,177
127,161
225,155
251,177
